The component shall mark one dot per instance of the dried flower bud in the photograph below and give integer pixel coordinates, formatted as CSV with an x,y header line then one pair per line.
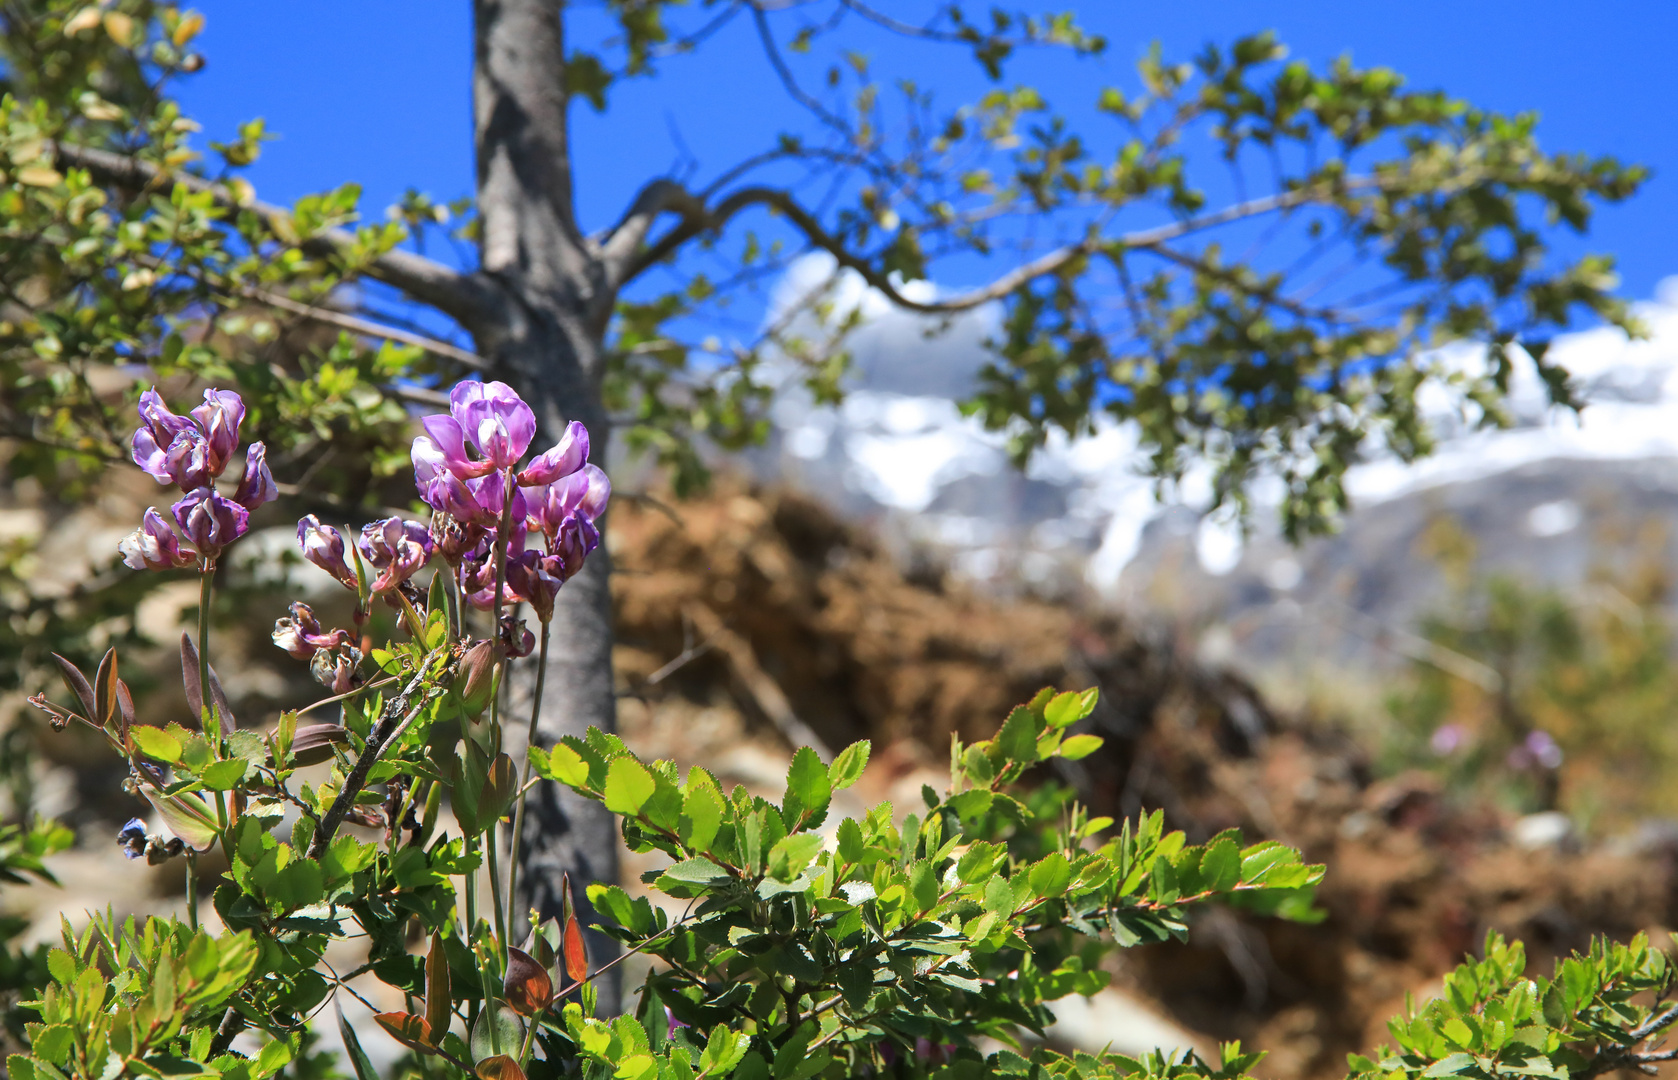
x,y
335,668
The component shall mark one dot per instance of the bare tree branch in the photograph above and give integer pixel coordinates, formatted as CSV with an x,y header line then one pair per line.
x,y
697,220
468,298
364,326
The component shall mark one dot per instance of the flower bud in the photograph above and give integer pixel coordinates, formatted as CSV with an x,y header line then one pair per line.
x,y
477,678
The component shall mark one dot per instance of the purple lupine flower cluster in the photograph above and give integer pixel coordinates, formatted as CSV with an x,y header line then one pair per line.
x,y
192,452
466,467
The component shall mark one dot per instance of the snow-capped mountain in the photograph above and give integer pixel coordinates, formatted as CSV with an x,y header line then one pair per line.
x,y
897,451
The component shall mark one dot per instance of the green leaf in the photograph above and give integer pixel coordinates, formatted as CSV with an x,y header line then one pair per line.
x,y
848,766
702,813
1018,738
1450,1066
562,764
1080,746
156,743
1051,876
923,885
1220,867
352,1047
792,854
808,788
498,1031
224,775
1067,709
628,786
697,872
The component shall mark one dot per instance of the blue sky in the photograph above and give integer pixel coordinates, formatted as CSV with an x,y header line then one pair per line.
x,y
377,91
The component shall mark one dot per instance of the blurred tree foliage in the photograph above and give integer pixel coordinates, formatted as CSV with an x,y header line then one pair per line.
x,y
1574,711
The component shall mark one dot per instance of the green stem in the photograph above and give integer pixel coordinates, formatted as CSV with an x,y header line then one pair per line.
x,y
208,718
192,890
524,781
493,846
469,885
209,714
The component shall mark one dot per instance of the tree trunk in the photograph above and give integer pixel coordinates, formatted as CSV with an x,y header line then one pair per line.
x,y
546,341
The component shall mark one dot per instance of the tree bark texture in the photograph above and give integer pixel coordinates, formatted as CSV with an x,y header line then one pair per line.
x,y
544,337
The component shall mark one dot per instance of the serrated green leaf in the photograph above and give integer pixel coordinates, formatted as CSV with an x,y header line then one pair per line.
x,y
847,768
628,786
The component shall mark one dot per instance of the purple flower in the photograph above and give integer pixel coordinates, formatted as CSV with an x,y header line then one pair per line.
x,y
257,485
210,521
397,548
1447,738
154,546
443,448
585,492
219,418
489,493
494,419
324,546
564,458
1544,749
187,460
576,539
300,634
188,451
536,578
487,417
477,573
449,494
158,430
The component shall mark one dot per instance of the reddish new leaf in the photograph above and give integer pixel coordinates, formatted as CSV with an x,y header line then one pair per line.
x,y
409,1030
77,684
527,988
576,954
499,1067
105,690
